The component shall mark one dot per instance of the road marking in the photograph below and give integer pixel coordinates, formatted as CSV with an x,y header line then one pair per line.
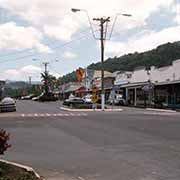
x,y
80,178
43,115
59,114
160,113
22,115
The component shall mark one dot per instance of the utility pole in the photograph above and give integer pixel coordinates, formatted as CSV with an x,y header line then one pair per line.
x,y
30,80
102,39
45,66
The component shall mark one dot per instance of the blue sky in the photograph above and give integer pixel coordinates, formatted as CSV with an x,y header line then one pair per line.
x,y
48,31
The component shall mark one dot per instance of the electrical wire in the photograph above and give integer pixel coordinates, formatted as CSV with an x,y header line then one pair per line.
x,y
38,53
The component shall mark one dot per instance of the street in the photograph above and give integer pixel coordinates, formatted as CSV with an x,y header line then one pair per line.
x,y
135,144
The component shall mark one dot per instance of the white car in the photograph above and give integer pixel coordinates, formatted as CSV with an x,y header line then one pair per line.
x,y
88,98
7,105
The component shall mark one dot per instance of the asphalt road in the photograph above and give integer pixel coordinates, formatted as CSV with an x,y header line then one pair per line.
x,y
134,144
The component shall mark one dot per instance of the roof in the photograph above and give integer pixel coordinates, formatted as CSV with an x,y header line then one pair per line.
x,y
97,74
72,88
134,84
167,82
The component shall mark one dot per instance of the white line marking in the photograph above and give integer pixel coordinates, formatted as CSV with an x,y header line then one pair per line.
x,y
81,178
47,114
59,114
35,114
23,115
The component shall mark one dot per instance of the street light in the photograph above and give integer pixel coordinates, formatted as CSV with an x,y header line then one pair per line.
x,y
115,19
74,10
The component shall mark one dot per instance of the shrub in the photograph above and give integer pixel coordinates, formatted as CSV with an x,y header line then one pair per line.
x,y
4,138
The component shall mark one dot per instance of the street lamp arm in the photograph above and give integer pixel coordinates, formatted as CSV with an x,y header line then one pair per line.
x,y
115,19
89,20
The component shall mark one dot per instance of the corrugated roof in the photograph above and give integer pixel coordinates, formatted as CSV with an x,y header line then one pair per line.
x,y
134,84
167,82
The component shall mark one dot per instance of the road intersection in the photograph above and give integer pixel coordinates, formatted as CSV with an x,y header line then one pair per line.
x,y
134,144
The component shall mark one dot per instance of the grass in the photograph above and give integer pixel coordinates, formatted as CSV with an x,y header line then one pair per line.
x,y
9,172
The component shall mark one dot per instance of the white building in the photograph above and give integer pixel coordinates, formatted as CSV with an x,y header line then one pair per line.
x,y
133,82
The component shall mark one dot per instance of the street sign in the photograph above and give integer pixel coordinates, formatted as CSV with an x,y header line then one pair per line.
x,y
79,74
94,89
95,98
148,87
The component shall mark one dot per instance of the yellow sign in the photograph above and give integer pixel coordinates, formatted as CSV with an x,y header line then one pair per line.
x,y
79,74
94,89
95,98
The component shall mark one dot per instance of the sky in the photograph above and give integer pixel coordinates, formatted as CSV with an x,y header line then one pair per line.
x,y
37,31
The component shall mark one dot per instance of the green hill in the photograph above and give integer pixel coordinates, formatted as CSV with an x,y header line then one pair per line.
x,y
163,55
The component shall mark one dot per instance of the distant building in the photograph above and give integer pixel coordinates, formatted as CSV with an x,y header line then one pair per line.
x,y
2,83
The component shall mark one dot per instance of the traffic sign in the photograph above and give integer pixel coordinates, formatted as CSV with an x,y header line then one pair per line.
x,y
95,98
94,89
79,74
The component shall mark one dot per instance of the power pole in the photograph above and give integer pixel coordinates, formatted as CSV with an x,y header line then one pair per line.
x,y
45,66
30,80
102,39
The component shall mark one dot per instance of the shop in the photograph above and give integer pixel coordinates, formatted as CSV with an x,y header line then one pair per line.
x,y
167,95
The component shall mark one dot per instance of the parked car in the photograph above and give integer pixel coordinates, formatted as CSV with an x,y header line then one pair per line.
x,y
7,105
47,97
75,101
118,100
87,98
28,97
36,98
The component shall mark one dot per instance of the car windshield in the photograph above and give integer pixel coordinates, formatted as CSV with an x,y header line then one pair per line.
x,y
90,89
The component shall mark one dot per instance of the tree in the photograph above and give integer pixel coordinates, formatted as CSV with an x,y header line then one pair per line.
x,y
49,82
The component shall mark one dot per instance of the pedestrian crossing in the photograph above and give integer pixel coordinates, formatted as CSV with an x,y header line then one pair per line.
x,y
52,114
36,115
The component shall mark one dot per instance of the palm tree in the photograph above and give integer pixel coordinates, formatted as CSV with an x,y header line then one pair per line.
x,y
49,81
45,79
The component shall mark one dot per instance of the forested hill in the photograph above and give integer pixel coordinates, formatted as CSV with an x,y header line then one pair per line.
x,y
161,56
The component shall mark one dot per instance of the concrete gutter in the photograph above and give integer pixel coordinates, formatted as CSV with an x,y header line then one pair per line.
x,y
161,110
90,110
27,168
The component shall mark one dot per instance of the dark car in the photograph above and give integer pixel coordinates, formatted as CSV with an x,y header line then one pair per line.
x,y
47,97
75,101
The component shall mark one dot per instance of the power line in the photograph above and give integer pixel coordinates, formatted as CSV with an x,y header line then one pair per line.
x,y
38,53
32,49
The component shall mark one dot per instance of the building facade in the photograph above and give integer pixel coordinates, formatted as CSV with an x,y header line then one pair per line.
x,y
159,87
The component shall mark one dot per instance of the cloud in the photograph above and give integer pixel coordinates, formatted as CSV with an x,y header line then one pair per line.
x,y
69,55
176,10
56,20
146,41
20,37
21,74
